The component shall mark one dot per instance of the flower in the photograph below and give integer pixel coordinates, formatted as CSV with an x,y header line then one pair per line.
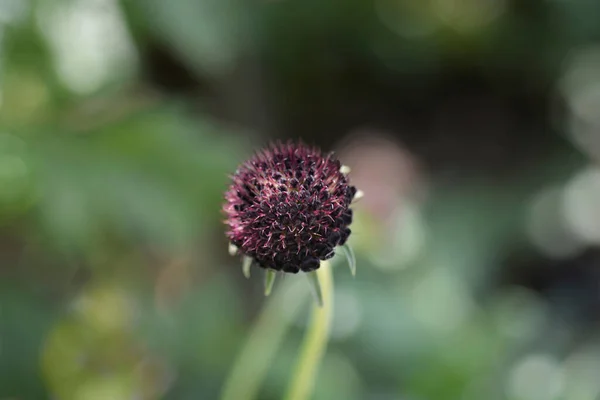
x,y
288,207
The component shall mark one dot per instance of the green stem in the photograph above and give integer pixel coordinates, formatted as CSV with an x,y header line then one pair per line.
x,y
315,341
263,341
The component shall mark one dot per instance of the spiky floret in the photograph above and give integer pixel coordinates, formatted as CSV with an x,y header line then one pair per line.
x,y
288,207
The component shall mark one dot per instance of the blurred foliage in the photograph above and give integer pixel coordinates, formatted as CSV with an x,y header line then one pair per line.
x,y
121,120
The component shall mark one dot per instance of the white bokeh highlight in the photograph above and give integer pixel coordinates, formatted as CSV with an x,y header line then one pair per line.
x,y
582,205
536,377
548,228
89,41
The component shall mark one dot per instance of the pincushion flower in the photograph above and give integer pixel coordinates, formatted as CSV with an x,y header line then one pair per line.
x,y
288,207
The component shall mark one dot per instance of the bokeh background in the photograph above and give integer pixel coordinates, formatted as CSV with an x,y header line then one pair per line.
x,y
473,127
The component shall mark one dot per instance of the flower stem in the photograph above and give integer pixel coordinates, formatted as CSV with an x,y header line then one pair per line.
x,y
263,341
315,341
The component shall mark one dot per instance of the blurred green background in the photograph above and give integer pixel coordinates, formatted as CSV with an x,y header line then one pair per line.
x,y
472,126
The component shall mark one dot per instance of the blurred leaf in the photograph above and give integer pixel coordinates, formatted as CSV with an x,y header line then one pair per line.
x,y
24,320
91,353
16,176
149,177
197,337
208,34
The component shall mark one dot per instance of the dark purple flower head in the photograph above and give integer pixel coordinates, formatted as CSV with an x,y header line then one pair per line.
x,y
288,207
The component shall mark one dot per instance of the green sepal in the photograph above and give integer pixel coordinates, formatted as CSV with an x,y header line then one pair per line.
x,y
246,264
269,280
315,287
349,253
